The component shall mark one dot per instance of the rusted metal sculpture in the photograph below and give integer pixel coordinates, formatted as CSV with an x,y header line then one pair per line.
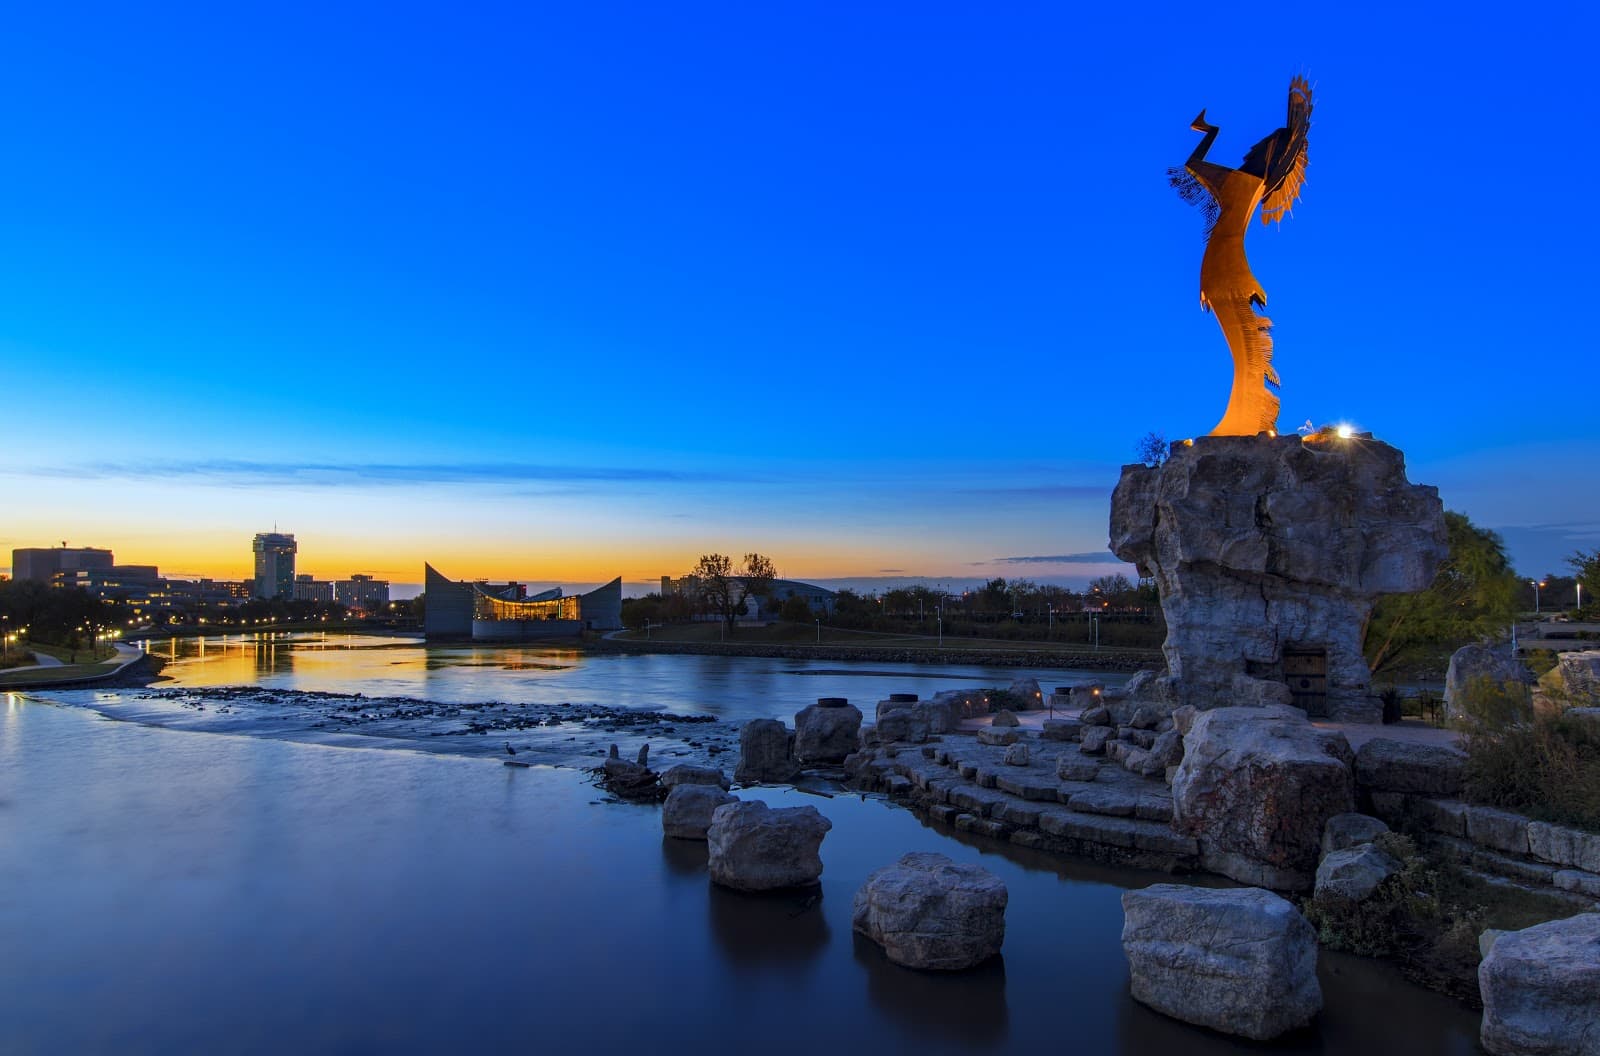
x,y
1270,176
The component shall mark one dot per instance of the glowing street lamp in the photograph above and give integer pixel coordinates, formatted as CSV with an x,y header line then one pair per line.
x,y
1537,584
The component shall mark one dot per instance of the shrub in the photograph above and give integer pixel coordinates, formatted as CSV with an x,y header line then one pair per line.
x,y
1427,918
1538,761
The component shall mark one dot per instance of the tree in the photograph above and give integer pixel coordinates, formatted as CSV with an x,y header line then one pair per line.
x,y
1153,449
1586,566
1473,595
756,577
713,584
795,609
723,589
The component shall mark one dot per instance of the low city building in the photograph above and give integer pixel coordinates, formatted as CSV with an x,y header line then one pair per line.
x,y
44,564
779,591
361,593
308,589
479,612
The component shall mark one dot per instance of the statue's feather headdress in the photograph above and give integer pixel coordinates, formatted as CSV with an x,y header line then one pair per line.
x,y
1282,156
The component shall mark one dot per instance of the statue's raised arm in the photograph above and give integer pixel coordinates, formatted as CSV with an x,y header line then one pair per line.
x,y
1270,176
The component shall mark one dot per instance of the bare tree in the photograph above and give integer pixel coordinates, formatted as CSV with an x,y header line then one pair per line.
x,y
713,584
723,589
755,578
1153,449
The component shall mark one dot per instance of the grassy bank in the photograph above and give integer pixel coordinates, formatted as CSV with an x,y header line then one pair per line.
x,y
81,655
159,634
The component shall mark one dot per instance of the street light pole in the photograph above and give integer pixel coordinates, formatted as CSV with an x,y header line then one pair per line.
x,y
941,632
819,630
1536,586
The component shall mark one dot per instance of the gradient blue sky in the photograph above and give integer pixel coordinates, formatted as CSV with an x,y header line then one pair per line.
x,y
564,292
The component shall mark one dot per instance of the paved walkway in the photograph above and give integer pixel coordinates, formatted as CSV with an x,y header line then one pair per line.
x,y
40,661
126,654
1413,731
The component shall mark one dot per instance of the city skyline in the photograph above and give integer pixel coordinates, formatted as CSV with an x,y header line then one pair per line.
x,y
586,295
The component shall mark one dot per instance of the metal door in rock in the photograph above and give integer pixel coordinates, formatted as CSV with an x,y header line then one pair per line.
x,y
1306,671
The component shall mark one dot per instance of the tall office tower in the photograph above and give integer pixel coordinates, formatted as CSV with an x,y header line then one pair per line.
x,y
274,565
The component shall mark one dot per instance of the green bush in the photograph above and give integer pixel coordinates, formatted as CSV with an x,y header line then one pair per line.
x,y
1538,761
1427,918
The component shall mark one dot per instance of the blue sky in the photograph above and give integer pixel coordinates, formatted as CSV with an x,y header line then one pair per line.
x,y
566,292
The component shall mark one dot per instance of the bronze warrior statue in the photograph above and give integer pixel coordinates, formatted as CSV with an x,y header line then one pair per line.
x,y
1270,176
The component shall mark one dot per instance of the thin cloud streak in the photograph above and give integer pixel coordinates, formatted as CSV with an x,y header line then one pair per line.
x,y
1102,557
377,474
1044,491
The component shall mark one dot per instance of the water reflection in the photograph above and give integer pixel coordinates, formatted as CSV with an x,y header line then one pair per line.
x,y
735,688
684,857
777,929
967,1007
204,893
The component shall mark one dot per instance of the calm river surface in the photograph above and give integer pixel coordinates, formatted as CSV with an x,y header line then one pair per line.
x,y
734,688
163,890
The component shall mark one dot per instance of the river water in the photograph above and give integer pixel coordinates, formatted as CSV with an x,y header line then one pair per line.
x,y
733,688
165,890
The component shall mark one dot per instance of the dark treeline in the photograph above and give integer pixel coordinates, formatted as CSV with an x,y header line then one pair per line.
x,y
1122,612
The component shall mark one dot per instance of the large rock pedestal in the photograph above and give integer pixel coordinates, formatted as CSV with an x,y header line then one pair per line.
x,y
1242,962
1269,553
931,913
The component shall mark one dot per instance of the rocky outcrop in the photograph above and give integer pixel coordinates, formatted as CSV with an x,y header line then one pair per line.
x,y
1479,662
1243,962
1256,787
689,774
1577,676
826,732
766,753
1354,873
1541,989
1026,693
931,913
1269,554
687,812
629,779
1344,831
1387,765
754,847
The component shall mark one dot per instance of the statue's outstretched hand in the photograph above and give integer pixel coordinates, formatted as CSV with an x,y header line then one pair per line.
x,y
1199,124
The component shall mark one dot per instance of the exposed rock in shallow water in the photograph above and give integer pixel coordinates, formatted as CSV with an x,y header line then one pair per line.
x,y
688,774
754,847
687,812
928,912
1243,962
1269,554
826,733
766,753
630,780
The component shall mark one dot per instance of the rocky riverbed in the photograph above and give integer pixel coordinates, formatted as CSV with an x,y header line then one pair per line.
x,y
560,734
